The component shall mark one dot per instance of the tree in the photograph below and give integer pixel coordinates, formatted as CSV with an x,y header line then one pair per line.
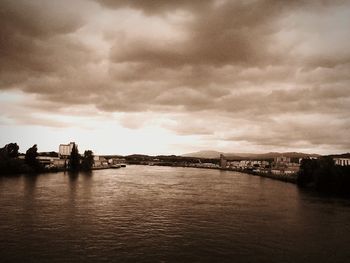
x,y
74,159
88,160
9,151
12,150
325,176
30,157
306,175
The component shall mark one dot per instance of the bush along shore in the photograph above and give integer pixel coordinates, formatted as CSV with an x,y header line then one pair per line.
x,y
324,176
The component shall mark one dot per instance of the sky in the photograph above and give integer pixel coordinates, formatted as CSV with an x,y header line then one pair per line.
x,y
172,77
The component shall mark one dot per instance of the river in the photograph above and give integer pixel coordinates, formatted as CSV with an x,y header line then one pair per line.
x,y
165,214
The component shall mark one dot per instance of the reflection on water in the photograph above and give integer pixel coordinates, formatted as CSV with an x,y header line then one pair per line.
x,y
143,213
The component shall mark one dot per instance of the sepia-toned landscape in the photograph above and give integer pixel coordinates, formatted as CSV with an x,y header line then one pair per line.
x,y
174,131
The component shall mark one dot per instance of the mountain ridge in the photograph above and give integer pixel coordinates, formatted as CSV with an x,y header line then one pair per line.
x,y
269,155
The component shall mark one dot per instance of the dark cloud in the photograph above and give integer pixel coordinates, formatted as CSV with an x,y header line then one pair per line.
x,y
190,60
156,7
35,41
232,33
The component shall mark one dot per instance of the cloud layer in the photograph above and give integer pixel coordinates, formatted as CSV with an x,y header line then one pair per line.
x,y
257,73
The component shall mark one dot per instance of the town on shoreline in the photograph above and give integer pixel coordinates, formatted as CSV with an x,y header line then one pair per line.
x,y
324,173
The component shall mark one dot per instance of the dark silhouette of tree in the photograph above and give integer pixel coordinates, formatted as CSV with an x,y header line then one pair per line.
x,y
308,167
88,160
30,157
9,151
74,159
12,150
9,163
325,176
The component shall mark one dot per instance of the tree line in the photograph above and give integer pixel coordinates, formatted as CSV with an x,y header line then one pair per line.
x,y
10,163
323,175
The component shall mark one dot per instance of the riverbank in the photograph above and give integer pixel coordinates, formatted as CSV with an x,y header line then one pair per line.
x,y
280,177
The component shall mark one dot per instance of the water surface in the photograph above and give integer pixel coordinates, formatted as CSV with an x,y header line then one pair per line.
x,y
164,214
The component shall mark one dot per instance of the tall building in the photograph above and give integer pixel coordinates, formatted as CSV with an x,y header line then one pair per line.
x,y
64,150
223,161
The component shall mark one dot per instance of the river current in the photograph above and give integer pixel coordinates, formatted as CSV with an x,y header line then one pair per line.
x,y
165,214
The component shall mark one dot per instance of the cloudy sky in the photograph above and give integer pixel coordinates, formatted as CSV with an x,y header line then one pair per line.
x,y
163,76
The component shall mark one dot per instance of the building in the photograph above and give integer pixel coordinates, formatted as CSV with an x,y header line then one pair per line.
x,y
60,163
284,166
46,160
100,161
115,161
223,161
64,150
342,161
49,161
282,159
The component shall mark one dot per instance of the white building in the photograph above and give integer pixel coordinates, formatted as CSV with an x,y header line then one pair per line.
x,y
65,150
342,161
100,161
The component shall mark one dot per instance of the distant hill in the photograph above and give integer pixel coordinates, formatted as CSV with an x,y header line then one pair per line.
x,y
204,154
343,155
109,156
270,155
